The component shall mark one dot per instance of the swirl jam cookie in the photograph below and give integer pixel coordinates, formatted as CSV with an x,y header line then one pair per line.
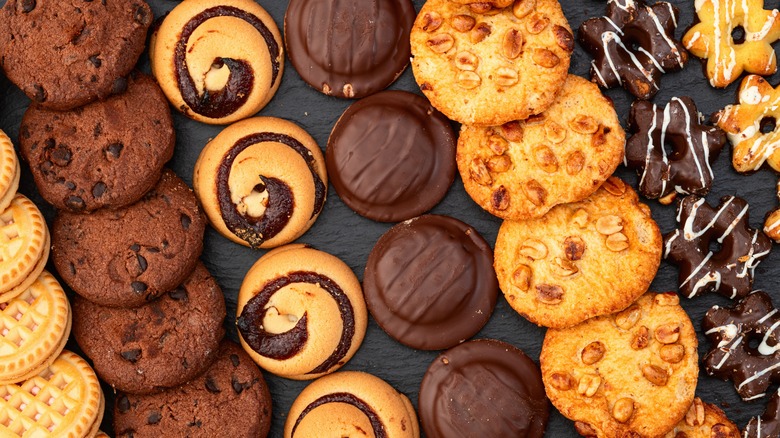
x,y
490,69
262,182
727,270
695,146
768,424
300,312
218,61
633,45
570,264
734,36
611,373
704,420
483,387
24,246
349,49
351,403
522,169
64,55
9,171
130,256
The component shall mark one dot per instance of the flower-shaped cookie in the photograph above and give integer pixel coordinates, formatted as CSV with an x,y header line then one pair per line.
x,y
769,423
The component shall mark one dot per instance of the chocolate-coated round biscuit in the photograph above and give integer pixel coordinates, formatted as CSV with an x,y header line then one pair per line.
x,y
483,387
349,49
391,156
429,282
66,54
230,399
106,154
126,257
160,345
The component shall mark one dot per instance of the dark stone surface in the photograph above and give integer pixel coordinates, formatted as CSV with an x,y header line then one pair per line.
x,y
350,237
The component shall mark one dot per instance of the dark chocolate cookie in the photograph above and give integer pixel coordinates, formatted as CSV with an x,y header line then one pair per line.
x,y
126,257
230,399
160,345
106,154
65,54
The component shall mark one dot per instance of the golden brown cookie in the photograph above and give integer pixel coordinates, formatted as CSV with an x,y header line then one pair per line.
x,y
571,264
262,182
351,403
772,221
489,69
9,171
632,373
734,36
704,420
522,169
24,246
485,6
218,61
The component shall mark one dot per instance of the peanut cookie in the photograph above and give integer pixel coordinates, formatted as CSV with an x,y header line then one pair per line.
x,y
494,68
9,171
632,373
218,61
704,420
751,125
351,403
570,264
523,169
768,424
262,182
485,6
301,312
734,36
64,54
633,45
24,246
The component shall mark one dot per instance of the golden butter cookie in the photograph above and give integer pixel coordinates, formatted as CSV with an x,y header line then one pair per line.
x,y
522,169
571,264
351,403
632,373
704,420
9,171
489,69
34,328
63,400
301,312
218,61
734,36
772,221
262,182
24,246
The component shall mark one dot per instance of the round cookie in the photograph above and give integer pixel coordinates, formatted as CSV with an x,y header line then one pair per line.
x,y
300,312
262,182
391,156
160,345
704,420
24,246
523,169
485,5
218,61
484,387
129,256
491,69
9,171
230,399
612,374
106,154
64,55
571,264
429,282
351,403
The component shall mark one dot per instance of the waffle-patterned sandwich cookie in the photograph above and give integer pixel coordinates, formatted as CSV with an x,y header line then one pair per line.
x,y
218,61
570,264
704,420
351,403
262,182
612,374
490,69
768,424
522,169
301,312
24,246
734,36
9,171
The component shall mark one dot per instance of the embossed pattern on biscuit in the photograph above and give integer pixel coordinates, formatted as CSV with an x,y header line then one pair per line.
x,y
9,171
734,36
768,424
24,246
704,420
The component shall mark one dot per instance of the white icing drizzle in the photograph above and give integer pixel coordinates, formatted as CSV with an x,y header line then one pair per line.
x,y
761,34
665,36
669,242
764,348
688,232
758,375
608,36
601,80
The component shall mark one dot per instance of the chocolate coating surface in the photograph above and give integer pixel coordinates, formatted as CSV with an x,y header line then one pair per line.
x,y
429,282
483,388
391,156
769,423
349,48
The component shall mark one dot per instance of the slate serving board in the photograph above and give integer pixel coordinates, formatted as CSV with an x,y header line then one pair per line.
x,y
350,237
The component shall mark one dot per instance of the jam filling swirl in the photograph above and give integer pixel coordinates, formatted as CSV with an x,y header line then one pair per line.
x,y
351,399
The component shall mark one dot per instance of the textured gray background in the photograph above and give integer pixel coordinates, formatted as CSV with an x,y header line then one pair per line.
x,y
350,237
